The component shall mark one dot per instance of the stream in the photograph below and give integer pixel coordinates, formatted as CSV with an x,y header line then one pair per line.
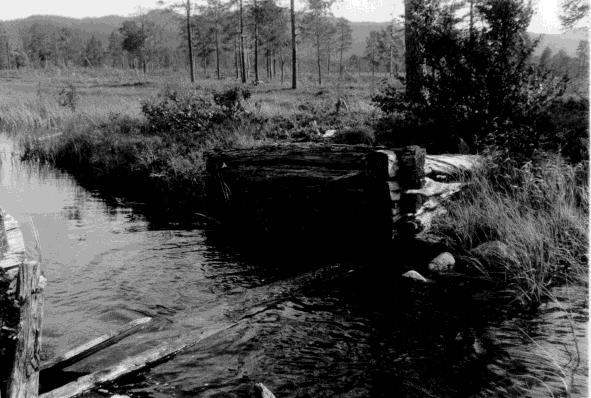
x,y
304,327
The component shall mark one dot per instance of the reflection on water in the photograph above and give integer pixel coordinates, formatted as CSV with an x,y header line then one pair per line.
x,y
313,330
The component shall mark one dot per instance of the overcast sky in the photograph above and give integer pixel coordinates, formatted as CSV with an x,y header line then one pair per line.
x,y
545,20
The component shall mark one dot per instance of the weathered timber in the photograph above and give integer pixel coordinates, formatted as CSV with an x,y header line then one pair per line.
x,y
24,378
132,364
446,167
319,193
261,391
21,310
79,353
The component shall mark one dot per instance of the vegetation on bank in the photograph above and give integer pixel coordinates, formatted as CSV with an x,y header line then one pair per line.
x,y
524,225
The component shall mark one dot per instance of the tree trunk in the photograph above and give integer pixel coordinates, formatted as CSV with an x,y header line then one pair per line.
x,y
294,78
318,60
217,54
242,60
341,63
256,42
190,43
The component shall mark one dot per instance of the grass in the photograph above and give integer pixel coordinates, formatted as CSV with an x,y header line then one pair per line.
x,y
539,211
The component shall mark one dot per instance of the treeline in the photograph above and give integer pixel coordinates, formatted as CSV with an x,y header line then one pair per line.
x,y
227,39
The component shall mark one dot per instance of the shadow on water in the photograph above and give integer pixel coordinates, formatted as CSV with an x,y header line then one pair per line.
x,y
305,324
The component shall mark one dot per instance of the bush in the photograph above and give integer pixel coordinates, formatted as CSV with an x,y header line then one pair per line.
x,y
181,112
232,100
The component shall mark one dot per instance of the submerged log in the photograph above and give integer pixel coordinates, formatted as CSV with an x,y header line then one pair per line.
x,y
79,353
130,365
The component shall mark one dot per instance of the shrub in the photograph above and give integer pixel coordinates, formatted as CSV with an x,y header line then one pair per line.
x,y
181,112
232,100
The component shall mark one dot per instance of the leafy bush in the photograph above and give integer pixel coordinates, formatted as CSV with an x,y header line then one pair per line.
x,y
181,112
232,100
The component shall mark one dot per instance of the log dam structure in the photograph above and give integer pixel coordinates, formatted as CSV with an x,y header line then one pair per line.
x,y
340,195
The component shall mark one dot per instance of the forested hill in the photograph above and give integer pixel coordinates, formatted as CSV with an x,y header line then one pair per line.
x,y
101,28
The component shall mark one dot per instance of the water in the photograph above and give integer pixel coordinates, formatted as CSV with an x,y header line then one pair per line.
x,y
301,326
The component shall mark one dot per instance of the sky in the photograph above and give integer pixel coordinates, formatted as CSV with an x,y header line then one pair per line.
x,y
544,21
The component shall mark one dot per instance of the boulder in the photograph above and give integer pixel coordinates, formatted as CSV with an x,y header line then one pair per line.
x,y
412,274
442,263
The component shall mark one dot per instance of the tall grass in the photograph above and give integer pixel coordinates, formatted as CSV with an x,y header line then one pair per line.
x,y
539,214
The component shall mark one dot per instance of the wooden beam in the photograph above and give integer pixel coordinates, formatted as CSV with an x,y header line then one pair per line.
x,y
79,353
132,364
24,378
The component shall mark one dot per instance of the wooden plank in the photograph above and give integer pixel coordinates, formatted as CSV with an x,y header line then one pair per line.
x,y
79,353
24,378
132,364
14,254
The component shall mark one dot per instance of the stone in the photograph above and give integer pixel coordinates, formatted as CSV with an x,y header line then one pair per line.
x,y
442,263
412,274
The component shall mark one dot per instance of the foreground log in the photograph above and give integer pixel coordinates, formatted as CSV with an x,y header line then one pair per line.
x,y
79,353
130,365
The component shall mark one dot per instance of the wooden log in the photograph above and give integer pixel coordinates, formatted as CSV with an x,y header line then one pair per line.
x,y
291,193
93,346
132,364
24,378
411,167
261,391
449,167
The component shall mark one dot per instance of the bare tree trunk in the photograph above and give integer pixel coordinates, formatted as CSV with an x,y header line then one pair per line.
x,y
236,59
318,60
256,42
294,58
242,60
341,62
190,43
217,54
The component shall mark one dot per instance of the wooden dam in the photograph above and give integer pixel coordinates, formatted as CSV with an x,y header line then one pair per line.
x,y
332,194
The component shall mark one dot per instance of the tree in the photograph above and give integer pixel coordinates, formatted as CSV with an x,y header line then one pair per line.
x,y
483,88
371,50
545,57
345,40
93,52
4,48
213,13
185,5
316,28
583,58
573,11
294,62
413,10
133,38
115,48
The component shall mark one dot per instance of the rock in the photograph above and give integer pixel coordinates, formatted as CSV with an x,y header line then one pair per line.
x,y
119,396
495,254
442,263
412,274
329,134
